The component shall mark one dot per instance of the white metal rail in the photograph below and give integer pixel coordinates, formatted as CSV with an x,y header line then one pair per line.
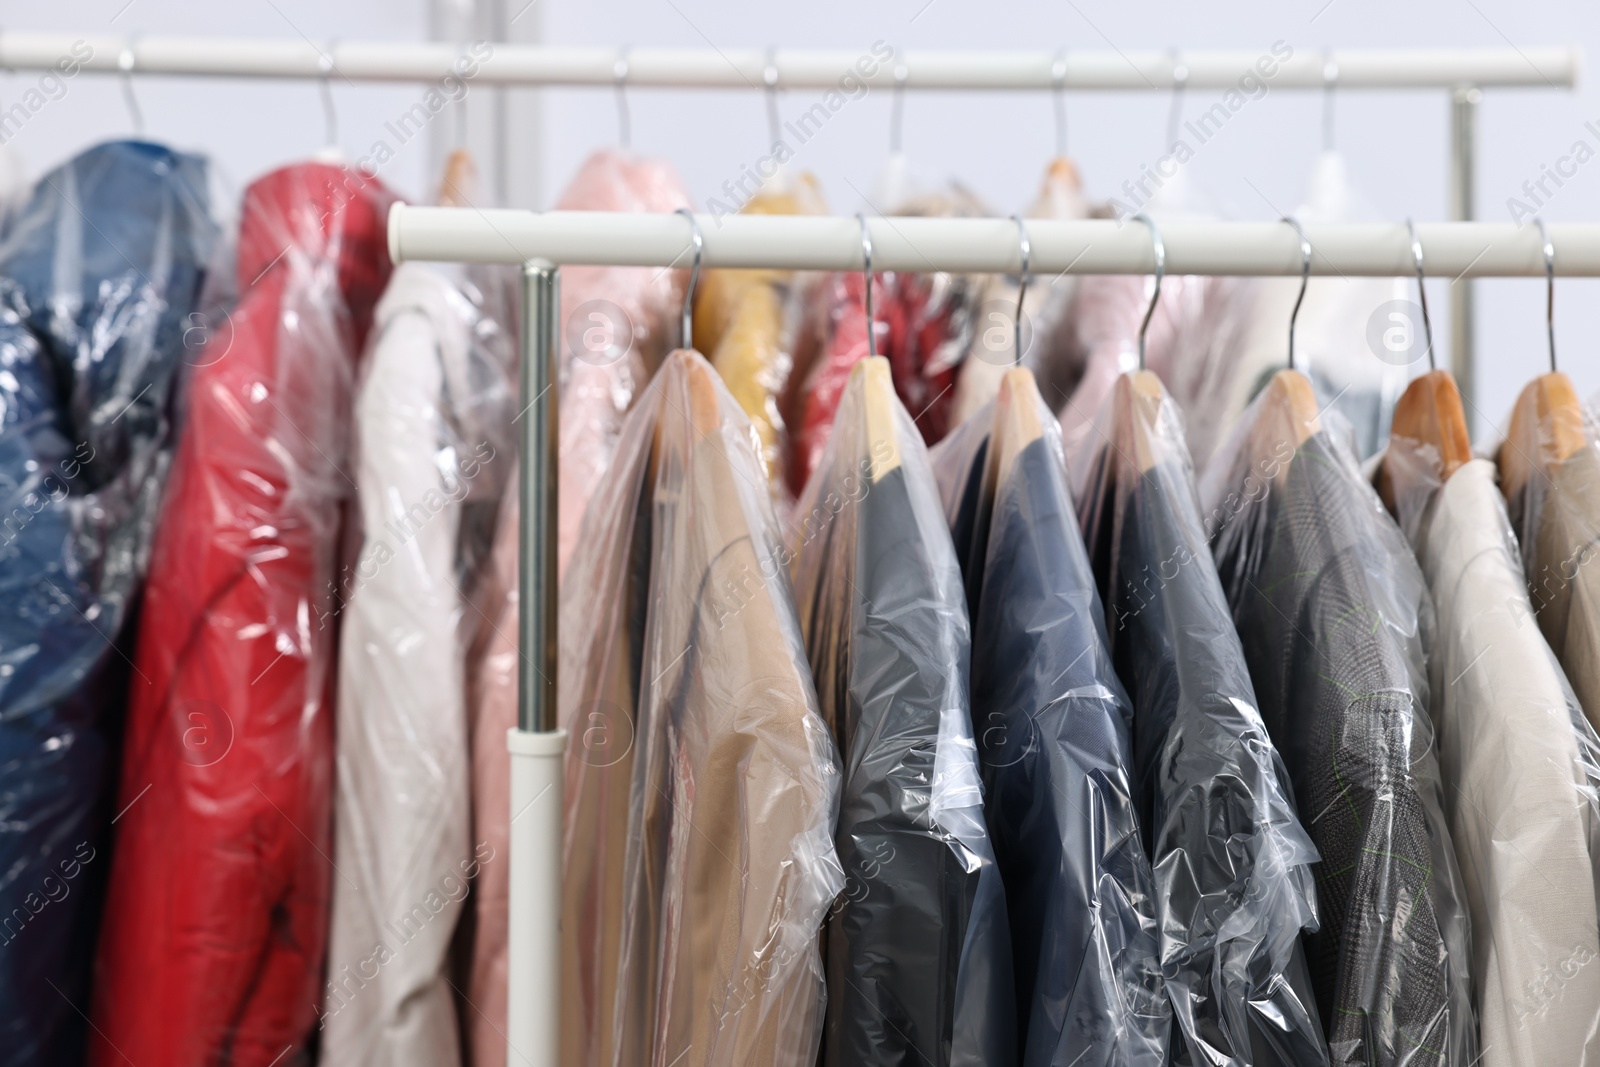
x,y
746,68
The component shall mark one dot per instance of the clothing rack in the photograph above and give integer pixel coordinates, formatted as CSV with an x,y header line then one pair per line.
x,y
542,242
1463,72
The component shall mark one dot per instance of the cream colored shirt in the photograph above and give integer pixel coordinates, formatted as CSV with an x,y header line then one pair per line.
x,y
1513,748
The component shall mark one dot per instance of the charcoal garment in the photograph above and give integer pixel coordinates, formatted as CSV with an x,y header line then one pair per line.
x,y
918,947
1334,619
1052,724
101,279
1233,865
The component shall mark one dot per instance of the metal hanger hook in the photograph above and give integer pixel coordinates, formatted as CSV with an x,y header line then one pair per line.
x,y
1305,277
330,115
769,78
1022,287
1549,249
1422,291
619,78
694,275
1160,248
1058,88
126,61
866,266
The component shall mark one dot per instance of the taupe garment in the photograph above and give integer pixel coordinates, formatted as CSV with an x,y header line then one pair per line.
x,y
1564,573
701,783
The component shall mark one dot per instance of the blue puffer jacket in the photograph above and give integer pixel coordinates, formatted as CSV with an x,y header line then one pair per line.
x,y
100,281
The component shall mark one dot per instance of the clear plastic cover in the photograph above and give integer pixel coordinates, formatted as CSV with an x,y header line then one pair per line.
x,y
1233,865
101,279
1044,310
1554,506
918,947
492,659
1053,726
702,786
1521,767
743,323
1335,622
402,811
934,319
215,928
617,324
846,344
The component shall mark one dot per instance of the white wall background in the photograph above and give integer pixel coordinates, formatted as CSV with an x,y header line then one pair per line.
x,y
1257,168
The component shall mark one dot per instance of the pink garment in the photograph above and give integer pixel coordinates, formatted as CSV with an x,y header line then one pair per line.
x,y
616,326
491,712
1106,313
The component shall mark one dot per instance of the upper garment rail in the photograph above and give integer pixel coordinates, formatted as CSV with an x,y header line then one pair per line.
x,y
875,65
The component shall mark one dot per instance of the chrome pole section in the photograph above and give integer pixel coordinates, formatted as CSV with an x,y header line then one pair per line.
x,y
537,745
536,710
1463,199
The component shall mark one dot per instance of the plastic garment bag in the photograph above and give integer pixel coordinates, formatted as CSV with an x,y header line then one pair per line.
x,y
616,326
492,661
936,321
402,814
1335,622
1521,765
215,928
1053,729
1333,346
1556,514
1233,866
918,948
701,784
846,345
100,276
1044,308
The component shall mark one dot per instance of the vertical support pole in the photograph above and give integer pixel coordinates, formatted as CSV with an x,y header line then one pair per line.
x,y
533,992
1463,208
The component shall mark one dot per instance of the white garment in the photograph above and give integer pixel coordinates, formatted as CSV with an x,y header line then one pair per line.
x,y
402,856
1513,748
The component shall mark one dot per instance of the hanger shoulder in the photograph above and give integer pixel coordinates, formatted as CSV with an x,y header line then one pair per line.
x,y
1429,412
1016,420
1547,427
1288,413
1137,398
878,411
459,181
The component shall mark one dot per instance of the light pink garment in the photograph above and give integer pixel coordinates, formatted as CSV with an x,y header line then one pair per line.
x,y
492,711
1106,312
616,326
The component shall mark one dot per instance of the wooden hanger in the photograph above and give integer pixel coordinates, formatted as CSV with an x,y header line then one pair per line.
x,y
1546,429
458,187
878,403
1429,413
1016,422
1547,423
1288,413
1136,405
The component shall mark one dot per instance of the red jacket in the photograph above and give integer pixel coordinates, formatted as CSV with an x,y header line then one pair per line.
x,y
215,927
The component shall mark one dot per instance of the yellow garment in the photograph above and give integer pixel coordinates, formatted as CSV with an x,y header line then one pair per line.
x,y
739,325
